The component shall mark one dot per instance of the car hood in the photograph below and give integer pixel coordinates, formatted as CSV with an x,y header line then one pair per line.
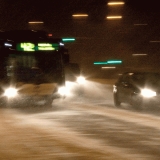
x,y
149,85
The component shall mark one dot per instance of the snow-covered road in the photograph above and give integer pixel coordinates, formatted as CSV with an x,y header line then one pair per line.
x,y
83,126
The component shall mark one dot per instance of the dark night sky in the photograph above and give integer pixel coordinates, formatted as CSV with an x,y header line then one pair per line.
x,y
97,39
20,12
17,14
29,9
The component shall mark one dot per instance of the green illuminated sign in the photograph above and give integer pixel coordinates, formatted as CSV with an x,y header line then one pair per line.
x,y
46,46
27,46
108,62
68,39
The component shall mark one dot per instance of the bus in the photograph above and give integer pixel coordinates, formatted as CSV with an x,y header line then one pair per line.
x,y
31,67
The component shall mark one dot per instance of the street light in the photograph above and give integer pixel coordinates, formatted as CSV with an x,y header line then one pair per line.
x,y
114,17
36,22
80,15
115,3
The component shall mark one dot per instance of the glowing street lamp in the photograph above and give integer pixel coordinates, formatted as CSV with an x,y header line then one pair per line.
x,y
80,15
115,3
114,17
36,22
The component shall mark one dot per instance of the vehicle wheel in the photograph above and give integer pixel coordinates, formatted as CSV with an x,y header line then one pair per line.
x,y
3,102
117,102
137,102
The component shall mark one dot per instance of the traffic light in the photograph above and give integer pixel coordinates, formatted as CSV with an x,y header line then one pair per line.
x,y
109,62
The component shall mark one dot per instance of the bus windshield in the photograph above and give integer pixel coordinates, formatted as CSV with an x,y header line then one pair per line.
x,y
31,56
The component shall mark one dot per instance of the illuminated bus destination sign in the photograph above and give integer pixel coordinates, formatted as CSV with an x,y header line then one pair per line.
x,y
27,46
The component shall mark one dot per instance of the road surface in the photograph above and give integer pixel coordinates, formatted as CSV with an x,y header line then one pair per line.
x,y
81,127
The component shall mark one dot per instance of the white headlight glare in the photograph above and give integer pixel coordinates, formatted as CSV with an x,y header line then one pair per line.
x,y
10,92
63,91
81,80
148,93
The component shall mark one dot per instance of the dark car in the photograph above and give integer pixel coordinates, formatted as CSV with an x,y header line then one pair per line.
x,y
137,89
72,71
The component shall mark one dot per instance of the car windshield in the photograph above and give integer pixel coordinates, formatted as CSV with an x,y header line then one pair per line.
x,y
153,78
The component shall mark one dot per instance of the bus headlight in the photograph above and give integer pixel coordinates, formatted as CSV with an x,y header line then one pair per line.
x,y
63,91
81,80
11,92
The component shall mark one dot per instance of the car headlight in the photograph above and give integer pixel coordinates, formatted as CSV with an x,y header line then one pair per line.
x,y
10,92
148,93
81,80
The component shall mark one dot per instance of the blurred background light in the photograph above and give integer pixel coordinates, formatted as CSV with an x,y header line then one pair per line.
x,y
114,17
115,3
80,15
108,62
36,22
154,41
140,24
108,67
139,54
67,39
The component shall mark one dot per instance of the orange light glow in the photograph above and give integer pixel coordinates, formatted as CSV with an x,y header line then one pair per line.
x,y
140,24
36,22
142,54
80,15
50,35
108,67
114,17
154,41
115,3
